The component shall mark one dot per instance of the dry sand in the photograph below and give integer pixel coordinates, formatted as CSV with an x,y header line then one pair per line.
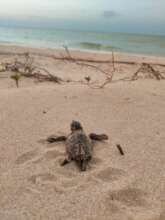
x,y
115,187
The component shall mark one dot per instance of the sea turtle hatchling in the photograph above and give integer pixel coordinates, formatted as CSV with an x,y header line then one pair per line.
x,y
79,146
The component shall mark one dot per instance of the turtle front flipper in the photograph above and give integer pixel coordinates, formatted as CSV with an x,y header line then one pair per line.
x,y
98,137
54,138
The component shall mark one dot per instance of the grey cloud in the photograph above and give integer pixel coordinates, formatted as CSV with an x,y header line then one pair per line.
x,y
109,13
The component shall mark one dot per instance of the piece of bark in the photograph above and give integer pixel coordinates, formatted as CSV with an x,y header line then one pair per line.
x,y
120,149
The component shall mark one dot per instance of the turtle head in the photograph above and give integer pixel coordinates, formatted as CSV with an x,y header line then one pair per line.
x,y
75,125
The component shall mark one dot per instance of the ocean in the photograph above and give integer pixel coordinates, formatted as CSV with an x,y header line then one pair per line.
x,y
83,40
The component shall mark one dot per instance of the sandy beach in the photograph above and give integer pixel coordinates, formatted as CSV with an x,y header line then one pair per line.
x,y
33,185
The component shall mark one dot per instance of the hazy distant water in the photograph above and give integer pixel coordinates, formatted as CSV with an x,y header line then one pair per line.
x,y
54,38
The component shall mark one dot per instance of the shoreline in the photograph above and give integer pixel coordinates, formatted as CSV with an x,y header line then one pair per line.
x,y
14,49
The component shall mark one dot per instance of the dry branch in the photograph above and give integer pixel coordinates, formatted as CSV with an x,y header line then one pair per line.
x,y
83,62
109,74
147,68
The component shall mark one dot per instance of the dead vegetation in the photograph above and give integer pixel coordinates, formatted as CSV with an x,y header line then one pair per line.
x,y
150,72
16,77
26,67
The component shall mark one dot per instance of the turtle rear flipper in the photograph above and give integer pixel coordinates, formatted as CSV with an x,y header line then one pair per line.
x,y
83,165
54,138
98,137
65,161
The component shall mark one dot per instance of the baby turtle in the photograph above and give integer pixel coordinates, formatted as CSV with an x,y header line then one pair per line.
x,y
79,146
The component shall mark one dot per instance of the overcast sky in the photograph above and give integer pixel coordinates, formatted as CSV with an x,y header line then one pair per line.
x,y
116,15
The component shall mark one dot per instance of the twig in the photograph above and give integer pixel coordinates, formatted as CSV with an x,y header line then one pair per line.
x,y
120,149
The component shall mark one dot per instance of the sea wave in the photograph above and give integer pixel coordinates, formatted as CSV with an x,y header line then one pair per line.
x,y
5,42
96,46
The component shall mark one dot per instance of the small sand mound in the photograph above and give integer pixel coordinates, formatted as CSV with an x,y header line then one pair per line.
x,y
110,174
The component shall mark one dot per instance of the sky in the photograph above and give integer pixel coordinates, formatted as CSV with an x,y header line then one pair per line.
x,y
136,16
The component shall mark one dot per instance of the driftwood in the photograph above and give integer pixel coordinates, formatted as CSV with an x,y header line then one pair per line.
x,y
61,57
